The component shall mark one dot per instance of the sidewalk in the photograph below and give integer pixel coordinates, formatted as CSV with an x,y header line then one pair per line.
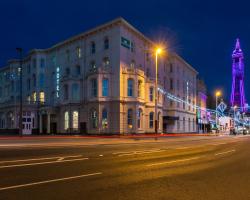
x,y
16,137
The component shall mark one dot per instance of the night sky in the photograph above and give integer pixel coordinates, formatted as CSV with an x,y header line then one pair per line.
x,y
202,33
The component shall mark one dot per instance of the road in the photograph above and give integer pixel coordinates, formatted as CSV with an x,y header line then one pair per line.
x,y
177,168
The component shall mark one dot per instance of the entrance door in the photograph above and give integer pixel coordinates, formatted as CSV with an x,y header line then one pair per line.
x,y
28,118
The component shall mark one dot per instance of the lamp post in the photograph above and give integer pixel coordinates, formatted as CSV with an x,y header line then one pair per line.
x,y
157,52
20,51
217,94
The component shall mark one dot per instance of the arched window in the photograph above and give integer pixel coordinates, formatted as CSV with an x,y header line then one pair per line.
x,y
106,43
104,118
66,120
93,119
130,118
75,117
106,62
139,118
130,87
75,92
151,120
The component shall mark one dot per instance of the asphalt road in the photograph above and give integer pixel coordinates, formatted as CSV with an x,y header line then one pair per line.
x,y
168,168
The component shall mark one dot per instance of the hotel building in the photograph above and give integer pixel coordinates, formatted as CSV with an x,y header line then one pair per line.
x,y
98,82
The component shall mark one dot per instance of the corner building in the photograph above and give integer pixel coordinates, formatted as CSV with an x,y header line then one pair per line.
x,y
98,82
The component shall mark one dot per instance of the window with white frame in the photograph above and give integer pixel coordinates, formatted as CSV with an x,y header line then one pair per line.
x,y
66,120
75,117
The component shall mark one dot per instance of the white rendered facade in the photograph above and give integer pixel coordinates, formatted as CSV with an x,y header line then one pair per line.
x,y
97,82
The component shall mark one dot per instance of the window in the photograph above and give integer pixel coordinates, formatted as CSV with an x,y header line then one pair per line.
x,y
106,62
67,55
75,119
132,64
28,84
94,87
66,120
66,92
151,94
42,97
34,80
139,118
28,68
78,52
104,118
139,88
105,87
106,43
67,71
171,84
94,119
184,125
132,47
130,118
151,120
75,92
34,63
130,87
34,96
92,66
28,98
78,70
92,47
171,68
42,63
41,80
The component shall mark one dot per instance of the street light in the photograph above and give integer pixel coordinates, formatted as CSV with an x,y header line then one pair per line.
x,y
217,94
157,52
20,51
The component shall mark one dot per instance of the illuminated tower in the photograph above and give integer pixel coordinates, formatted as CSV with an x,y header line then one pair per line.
x,y
238,93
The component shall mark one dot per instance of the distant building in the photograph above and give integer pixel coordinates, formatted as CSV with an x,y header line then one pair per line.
x,y
98,82
179,80
202,114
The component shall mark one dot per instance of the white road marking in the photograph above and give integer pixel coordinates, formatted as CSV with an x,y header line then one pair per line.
x,y
233,150
34,159
183,147
42,163
219,143
127,152
138,153
174,161
48,181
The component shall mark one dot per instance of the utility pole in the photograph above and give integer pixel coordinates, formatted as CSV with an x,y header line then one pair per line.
x,y
20,70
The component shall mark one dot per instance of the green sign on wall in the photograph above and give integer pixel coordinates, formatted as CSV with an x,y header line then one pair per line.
x,y
125,43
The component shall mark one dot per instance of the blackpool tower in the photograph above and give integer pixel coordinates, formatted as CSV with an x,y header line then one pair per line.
x,y
238,92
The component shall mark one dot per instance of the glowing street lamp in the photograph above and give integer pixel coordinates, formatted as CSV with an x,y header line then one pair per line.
x,y
217,94
158,51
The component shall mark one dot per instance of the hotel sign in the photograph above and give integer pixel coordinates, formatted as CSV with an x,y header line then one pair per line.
x,y
125,43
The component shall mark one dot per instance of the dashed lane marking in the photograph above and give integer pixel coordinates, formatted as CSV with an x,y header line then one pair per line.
x,y
43,158
49,181
42,163
174,161
226,152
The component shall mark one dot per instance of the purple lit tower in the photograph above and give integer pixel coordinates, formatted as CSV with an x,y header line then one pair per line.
x,y
238,93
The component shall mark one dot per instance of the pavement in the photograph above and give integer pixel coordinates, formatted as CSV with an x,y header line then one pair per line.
x,y
167,168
